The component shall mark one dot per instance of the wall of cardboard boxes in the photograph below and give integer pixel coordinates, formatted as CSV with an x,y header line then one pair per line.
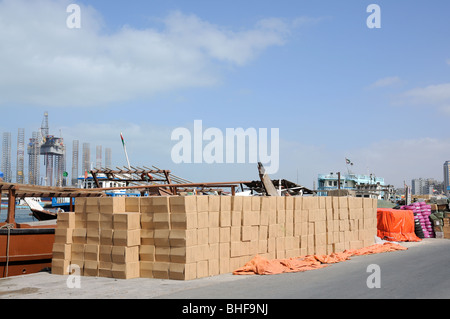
x,y
188,237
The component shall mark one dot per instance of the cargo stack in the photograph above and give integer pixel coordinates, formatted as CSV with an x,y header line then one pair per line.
x,y
446,227
188,237
62,247
105,238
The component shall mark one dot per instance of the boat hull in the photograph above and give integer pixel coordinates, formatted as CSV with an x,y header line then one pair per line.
x,y
29,251
43,215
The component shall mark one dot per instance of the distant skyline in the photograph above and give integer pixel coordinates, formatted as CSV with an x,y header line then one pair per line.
x,y
334,87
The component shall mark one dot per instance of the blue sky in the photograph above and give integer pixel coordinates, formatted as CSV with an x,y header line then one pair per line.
x,y
333,87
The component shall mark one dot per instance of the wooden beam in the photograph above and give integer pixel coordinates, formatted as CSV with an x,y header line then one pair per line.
x,y
11,218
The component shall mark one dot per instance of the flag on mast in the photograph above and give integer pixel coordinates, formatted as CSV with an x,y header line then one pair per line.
x,y
125,149
123,141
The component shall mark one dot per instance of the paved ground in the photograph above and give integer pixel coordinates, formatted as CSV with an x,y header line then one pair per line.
x,y
420,272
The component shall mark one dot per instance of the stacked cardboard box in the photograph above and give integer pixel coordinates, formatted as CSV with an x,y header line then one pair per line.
x,y
446,227
188,237
102,237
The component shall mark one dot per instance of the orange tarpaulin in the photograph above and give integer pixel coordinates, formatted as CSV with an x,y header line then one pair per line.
x,y
262,266
396,225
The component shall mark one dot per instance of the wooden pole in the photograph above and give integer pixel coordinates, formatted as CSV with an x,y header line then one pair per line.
x,y
11,219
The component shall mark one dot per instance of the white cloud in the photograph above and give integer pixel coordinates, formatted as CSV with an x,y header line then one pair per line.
x,y
46,63
405,159
436,96
386,82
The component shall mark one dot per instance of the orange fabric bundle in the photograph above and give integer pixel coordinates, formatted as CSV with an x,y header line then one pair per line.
x,y
396,225
262,266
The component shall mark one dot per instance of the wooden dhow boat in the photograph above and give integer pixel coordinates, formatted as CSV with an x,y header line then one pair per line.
x,y
27,247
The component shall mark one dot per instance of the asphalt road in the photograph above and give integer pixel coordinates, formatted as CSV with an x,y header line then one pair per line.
x,y
422,271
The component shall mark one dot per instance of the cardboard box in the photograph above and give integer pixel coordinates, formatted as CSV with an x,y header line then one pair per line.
x,y
213,267
105,270
80,204
147,237
225,203
310,203
320,227
93,236
76,267
147,221
77,252
214,203
246,233
147,252
202,269
112,205
161,237
124,254
65,220
63,235
127,221
236,203
161,220
91,252
146,268
225,218
132,204
80,219
298,203
106,236
181,237
183,204
224,234
146,205
320,239
106,221
213,219
160,270
90,268
79,236
127,237
202,236
235,233
105,254
186,271
62,251
183,221
126,271
60,266
161,204
93,220
92,205
213,235
185,254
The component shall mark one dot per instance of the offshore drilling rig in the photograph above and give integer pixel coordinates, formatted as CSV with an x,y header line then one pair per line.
x,y
54,152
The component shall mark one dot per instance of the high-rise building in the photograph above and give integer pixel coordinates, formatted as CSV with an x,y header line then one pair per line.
x,y
75,147
108,157
20,178
86,167
98,157
425,186
6,157
34,164
446,177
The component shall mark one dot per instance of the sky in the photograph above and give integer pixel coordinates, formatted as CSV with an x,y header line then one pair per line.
x,y
333,87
